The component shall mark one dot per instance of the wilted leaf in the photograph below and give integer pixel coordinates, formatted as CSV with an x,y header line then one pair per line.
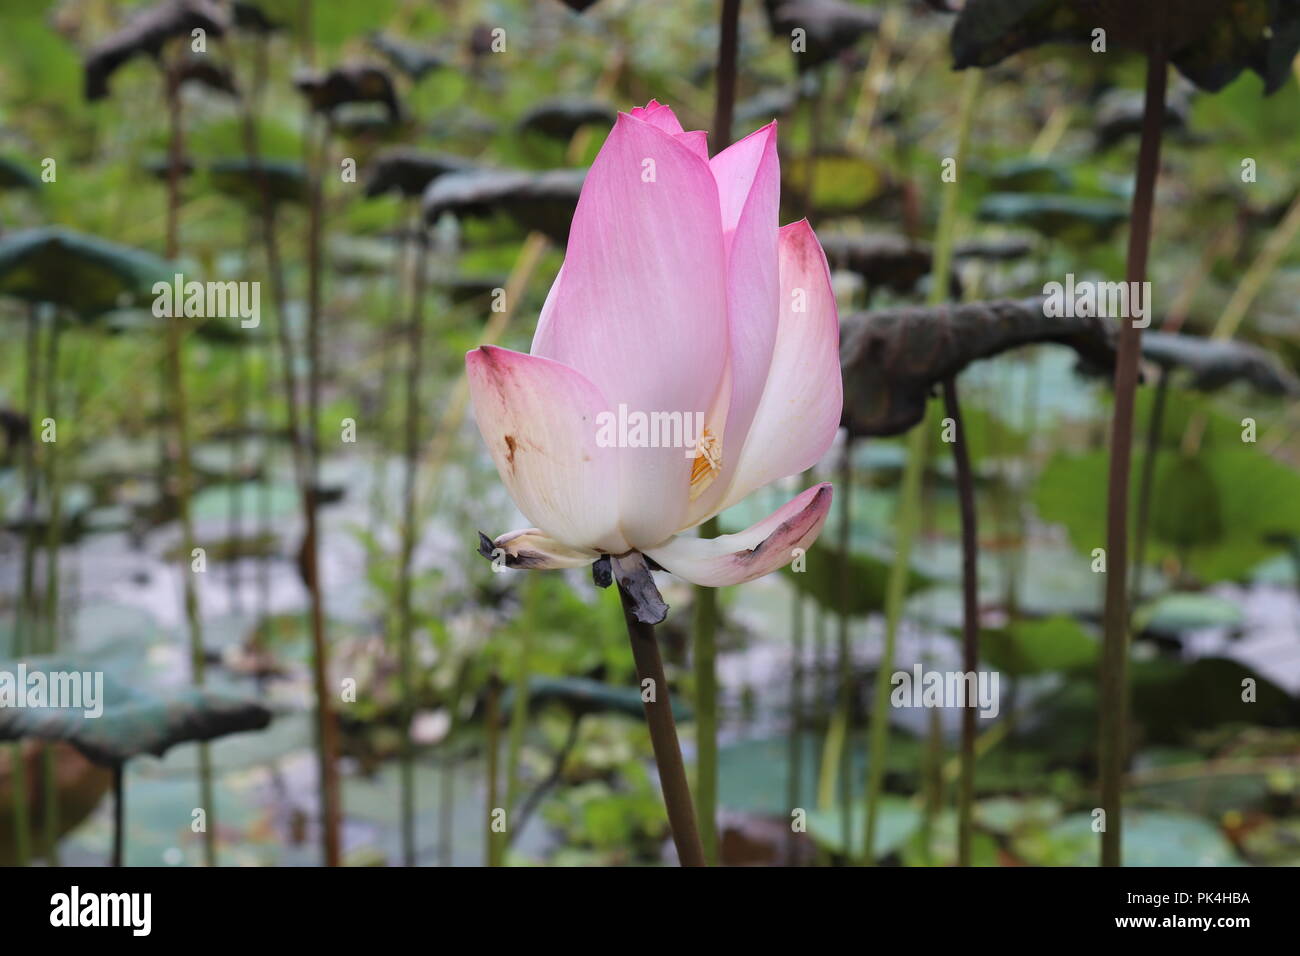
x,y
541,201
1210,41
146,33
892,358
351,83
830,26
561,118
1214,363
409,171
133,722
412,60
882,259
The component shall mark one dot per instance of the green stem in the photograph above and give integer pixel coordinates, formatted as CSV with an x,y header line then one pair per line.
x,y
1113,702
519,715
174,370
53,539
794,776
910,489
1154,428
844,584
663,737
493,732
119,814
414,372
970,618
706,710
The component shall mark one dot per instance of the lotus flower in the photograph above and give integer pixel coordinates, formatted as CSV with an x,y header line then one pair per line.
x,y
680,297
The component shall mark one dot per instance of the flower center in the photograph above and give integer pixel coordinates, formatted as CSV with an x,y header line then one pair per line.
x,y
707,463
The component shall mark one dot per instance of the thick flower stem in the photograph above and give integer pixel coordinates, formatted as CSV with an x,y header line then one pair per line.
x,y
970,617
706,710
663,737
794,775
843,586
119,813
1154,427
1114,655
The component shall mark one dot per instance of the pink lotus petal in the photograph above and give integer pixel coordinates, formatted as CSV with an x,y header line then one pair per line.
x,y
748,175
538,420
803,399
640,306
531,549
760,549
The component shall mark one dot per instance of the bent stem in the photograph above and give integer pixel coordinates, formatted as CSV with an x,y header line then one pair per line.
x,y
970,617
663,737
1113,702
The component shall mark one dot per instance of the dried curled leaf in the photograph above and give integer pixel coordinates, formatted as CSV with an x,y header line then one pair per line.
x,y
1214,364
409,171
1209,41
829,26
146,33
133,722
539,201
350,83
561,118
891,358
882,259
415,61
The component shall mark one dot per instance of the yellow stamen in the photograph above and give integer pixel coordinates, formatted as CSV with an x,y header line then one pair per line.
x,y
707,463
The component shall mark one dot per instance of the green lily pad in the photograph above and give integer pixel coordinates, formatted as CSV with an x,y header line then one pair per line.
x,y
1039,646
582,696
82,273
897,821
1068,218
1150,839
1177,613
